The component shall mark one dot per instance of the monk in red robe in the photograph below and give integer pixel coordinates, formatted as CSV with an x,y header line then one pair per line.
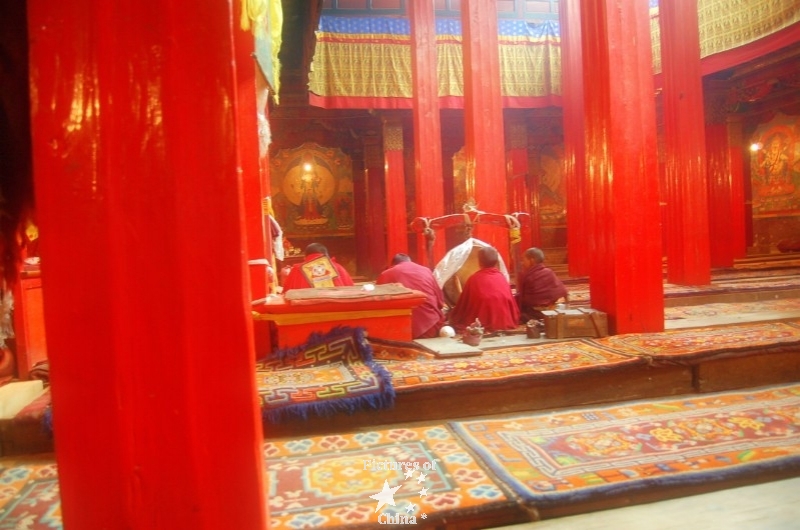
x,y
318,269
538,288
486,296
427,318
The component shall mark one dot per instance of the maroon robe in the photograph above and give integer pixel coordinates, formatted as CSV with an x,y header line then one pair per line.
x,y
538,288
486,296
297,280
427,318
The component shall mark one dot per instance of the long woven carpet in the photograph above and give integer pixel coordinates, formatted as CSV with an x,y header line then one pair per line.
x,y
403,475
332,372
595,453
722,282
29,495
413,368
698,343
783,305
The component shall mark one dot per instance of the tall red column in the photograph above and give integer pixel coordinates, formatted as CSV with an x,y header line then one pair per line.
x,y
688,255
395,187
518,182
484,145
253,189
621,166
147,312
429,194
376,256
578,226
721,222
727,198
739,214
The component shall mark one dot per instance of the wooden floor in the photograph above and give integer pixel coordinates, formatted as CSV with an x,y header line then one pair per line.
x,y
769,506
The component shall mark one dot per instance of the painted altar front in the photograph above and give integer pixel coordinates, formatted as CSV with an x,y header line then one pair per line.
x,y
383,310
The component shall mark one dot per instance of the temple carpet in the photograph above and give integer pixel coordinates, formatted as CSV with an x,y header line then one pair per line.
x,y
544,375
566,462
332,372
498,470
773,505
727,285
512,373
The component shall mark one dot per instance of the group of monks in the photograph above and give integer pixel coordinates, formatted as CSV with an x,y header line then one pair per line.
x,y
486,296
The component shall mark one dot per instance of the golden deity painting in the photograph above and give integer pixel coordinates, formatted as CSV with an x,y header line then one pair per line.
x,y
312,190
775,168
309,185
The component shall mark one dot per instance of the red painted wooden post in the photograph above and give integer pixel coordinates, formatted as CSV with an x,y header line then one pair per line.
x,y
738,213
429,188
621,167
533,183
517,157
145,283
688,254
396,218
375,200
722,224
256,230
578,226
484,144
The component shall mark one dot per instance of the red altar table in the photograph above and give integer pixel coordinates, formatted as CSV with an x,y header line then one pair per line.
x,y
384,312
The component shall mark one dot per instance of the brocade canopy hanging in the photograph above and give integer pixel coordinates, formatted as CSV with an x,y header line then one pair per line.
x,y
365,62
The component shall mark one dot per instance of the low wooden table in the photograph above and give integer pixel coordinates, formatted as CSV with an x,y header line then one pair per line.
x,y
385,312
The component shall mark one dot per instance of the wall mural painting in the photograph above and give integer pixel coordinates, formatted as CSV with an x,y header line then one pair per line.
x,y
775,168
312,191
547,162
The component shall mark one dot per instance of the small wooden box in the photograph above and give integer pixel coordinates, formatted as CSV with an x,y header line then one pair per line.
x,y
568,323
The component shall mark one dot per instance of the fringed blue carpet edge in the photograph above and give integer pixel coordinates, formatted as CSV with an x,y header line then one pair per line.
x,y
349,405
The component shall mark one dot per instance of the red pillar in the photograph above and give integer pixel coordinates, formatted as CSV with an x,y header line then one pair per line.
x,y
484,145
376,257
518,180
253,189
396,218
621,166
142,241
720,222
429,181
688,256
578,227
739,214
533,183
726,191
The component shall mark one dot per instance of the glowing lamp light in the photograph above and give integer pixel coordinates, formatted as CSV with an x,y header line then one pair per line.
x,y
756,147
307,166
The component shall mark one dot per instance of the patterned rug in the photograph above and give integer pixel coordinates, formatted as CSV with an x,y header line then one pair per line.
x,y
29,493
721,282
597,452
783,305
698,343
331,373
405,475
738,274
412,368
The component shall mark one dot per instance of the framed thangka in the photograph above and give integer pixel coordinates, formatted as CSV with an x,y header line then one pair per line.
x,y
775,167
312,191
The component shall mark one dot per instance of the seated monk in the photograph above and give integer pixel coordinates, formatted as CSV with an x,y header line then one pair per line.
x,y
486,296
427,318
538,288
318,269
